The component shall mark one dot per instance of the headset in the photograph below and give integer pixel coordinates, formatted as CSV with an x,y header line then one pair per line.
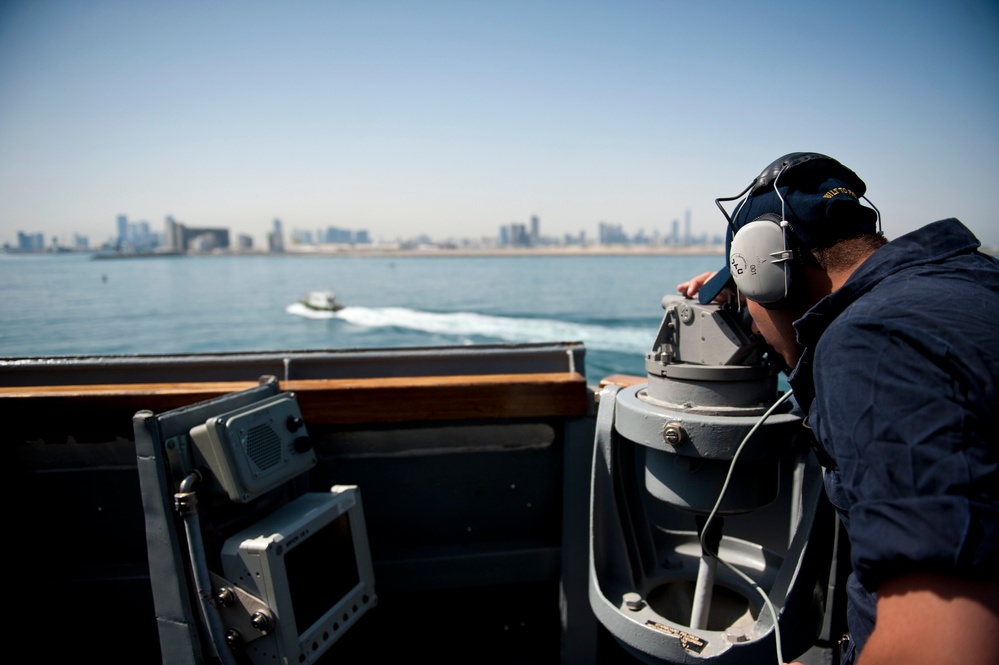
x,y
765,255
762,260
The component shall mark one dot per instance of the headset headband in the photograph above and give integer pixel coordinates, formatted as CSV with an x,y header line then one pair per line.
x,y
767,179
770,174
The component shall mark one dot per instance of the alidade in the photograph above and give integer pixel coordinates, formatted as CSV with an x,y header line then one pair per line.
x,y
664,450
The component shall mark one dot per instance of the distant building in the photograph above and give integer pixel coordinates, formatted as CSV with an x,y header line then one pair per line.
x,y
135,237
30,242
171,235
220,237
275,239
244,242
122,229
610,234
142,236
202,243
335,236
516,234
182,238
519,236
300,237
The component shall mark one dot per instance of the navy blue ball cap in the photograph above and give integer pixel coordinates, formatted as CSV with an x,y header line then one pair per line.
x,y
821,199
821,203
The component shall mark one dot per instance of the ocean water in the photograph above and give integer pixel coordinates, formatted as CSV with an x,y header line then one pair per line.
x,y
52,305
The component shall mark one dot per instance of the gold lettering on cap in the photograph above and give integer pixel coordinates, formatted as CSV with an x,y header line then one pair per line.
x,y
836,191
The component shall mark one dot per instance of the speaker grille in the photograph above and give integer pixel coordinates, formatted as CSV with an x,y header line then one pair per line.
x,y
263,446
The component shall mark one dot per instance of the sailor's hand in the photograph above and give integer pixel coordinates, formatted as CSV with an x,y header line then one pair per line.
x,y
693,285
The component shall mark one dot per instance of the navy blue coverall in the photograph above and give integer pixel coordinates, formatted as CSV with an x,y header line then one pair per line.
x,y
900,381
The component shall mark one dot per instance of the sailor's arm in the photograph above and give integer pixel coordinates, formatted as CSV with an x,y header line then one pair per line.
x,y
928,618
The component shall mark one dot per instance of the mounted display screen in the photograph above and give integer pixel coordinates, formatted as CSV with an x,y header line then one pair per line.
x,y
309,563
321,571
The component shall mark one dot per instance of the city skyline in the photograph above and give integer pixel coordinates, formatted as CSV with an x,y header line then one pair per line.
x,y
454,119
664,233
132,235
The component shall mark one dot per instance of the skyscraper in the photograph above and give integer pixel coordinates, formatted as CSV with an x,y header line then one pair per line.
x,y
172,240
275,239
122,229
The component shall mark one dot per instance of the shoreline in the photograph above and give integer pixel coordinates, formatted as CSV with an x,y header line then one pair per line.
x,y
438,252
465,252
432,252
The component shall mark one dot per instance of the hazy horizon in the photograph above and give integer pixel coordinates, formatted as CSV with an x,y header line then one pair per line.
x,y
453,119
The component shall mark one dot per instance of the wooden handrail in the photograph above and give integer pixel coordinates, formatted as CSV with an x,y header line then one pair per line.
x,y
623,380
347,401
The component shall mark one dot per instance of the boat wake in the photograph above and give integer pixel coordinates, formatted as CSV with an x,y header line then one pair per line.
x,y
298,309
465,326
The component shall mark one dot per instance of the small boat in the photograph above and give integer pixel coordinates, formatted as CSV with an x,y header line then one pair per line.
x,y
322,301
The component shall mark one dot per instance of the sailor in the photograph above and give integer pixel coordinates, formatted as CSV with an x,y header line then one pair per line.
x,y
894,356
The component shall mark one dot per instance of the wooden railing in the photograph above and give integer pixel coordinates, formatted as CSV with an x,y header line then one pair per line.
x,y
331,401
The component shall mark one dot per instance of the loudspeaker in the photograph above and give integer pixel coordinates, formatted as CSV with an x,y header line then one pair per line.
x,y
253,449
761,261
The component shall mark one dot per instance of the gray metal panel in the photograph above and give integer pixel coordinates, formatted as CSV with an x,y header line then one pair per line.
x,y
174,615
329,364
579,624
178,640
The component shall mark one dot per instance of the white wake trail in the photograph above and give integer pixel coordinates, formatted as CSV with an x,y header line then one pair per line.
x,y
507,329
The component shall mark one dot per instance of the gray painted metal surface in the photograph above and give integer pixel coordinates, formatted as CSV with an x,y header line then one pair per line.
x,y
480,530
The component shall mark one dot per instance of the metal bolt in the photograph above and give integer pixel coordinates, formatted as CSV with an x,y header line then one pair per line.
x,y
262,621
673,434
633,601
225,597
233,639
735,635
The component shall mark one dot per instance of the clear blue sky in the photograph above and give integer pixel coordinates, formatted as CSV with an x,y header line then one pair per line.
x,y
454,118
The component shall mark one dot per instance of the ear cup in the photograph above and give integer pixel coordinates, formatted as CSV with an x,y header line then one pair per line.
x,y
755,261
